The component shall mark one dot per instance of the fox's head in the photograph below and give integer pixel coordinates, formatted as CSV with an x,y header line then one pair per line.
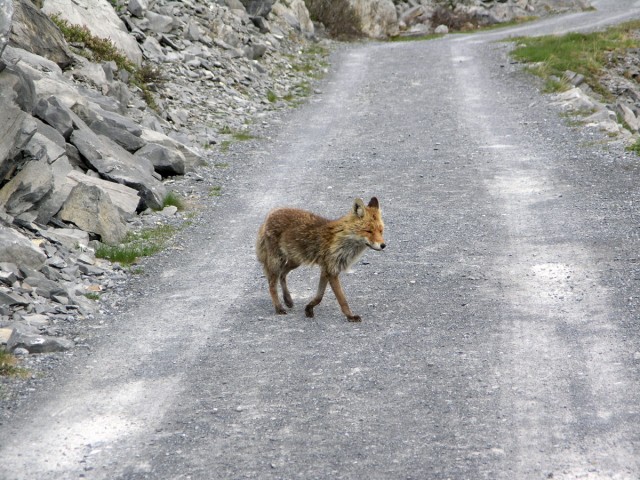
x,y
369,224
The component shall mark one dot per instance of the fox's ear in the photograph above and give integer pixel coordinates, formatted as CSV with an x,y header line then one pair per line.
x,y
358,207
373,203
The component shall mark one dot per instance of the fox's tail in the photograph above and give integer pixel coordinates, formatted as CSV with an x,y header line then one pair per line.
x,y
261,246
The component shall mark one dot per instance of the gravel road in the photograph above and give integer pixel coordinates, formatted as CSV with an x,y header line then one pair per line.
x,y
499,336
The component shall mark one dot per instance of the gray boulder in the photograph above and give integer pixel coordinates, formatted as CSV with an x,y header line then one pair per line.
x,y
30,339
111,119
296,15
27,187
126,199
53,113
53,201
166,161
6,14
378,18
9,299
45,287
138,8
40,147
51,133
71,238
191,157
18,249
17,88
33,31
16,130
235,5
126,140
40,186
258,8
114,163
21,57
91,209
159,23
101,20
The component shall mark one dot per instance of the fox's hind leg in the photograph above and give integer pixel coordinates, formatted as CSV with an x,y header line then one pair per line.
x,y
273,291
288,301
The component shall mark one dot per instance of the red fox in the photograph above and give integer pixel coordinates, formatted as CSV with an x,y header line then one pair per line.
x,y
290,237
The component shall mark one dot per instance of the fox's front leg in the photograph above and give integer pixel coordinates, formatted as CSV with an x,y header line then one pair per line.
x,y
322,286
334,281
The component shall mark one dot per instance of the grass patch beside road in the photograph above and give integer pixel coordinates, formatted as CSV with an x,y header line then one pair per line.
x,y
8,366
139,244
585,53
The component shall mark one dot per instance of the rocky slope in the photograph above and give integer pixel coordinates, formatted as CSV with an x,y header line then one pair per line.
x,y
83,158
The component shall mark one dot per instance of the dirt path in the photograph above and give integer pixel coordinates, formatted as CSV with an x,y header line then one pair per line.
x,y
499,326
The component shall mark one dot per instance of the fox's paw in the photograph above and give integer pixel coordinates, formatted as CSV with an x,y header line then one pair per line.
x,y
354,318
308,311
281,311
288,302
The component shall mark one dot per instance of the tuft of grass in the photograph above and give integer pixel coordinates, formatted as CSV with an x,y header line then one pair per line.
x,y
8,366
215,191
555,85
584,53
272,97
137,244
242,136
338,16
635,147
92,296
237,135
173,199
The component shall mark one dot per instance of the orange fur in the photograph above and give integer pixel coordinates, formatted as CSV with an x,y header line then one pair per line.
x,y
290,237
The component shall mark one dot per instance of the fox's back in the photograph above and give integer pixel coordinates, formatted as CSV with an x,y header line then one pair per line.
x,y
297,235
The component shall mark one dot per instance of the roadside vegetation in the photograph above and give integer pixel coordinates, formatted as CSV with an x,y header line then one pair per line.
x,y
9,365
97,49
588,54
338,17
173,200
137,244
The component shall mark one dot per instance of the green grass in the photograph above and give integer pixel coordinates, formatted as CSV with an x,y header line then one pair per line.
x,y
98,49
242,136
224,146
215,191
8,366
104,50
635,147
92,296
416,38
137,244
587,54
173,200
237,135
272,97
